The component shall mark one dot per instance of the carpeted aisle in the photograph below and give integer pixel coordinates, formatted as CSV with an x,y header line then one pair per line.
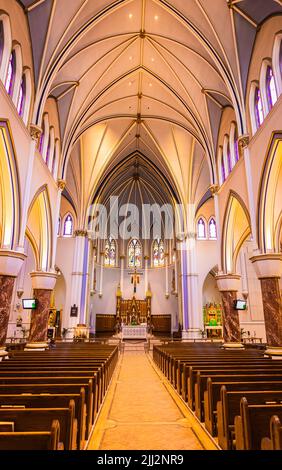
x,y
139,413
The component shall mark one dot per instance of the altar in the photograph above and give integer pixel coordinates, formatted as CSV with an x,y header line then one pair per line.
x,y
134,332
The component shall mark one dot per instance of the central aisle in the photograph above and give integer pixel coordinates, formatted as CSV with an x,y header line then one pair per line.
x,y
139,412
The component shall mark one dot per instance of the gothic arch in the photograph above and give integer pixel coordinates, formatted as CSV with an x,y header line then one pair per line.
x,y
9,189
236,228
39,227
269,203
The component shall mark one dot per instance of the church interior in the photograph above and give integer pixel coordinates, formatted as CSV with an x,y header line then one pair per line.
x,y
140,225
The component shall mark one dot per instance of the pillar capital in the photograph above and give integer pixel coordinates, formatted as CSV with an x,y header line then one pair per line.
x,y
61,184
244,141
268,265
228,282
43,280
80,233
35,132
11,262
122,257
214,188
146,258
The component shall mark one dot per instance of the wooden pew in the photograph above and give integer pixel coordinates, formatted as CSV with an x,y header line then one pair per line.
x,y
231,376
253,423
52,401
48,440
229,406
55,388
275,440
40,419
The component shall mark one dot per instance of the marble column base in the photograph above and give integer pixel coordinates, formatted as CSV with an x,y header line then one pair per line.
x,y
274,353
272,308
233,346
231,324
3,353
36,346
6,295
40,317
192,333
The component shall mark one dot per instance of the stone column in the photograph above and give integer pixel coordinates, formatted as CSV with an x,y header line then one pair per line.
x,y
269,270
146,260
43,284
166,276
243,142
228,285
11,263
102,254
78,273
122,261
191,306
61,187
214,191
35,133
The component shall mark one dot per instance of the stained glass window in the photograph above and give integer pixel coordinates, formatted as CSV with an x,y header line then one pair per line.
x,y
223,174
212,229
258,108
110,252
201,231
236,146
21,99
229,162
68,226
270,88
10,80
158,253
1,41
134,254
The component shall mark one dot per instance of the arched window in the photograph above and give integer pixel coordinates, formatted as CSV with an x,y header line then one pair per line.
x,y
270,88
68,226
236,146
11,74
110,252
223,173
158,253
212,229
258,108
201,229
21,98
134,254
1,41
229,162
59,227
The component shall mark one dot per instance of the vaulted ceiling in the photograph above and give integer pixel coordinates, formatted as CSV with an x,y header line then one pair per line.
x,y
143,76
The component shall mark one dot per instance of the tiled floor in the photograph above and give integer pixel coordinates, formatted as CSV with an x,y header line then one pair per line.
x,y
141,413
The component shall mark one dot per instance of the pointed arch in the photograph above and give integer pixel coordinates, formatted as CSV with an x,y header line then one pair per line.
x,y
7,45
269,206
9,189
39,226
236,229
134,251
68,225
158,253
110,257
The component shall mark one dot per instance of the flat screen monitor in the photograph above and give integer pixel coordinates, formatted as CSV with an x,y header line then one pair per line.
x,y
240,305
29,304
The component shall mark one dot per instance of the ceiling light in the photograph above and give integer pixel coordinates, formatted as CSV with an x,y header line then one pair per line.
x,y
130,83
130,16
156,17
150,84
130,58
153,60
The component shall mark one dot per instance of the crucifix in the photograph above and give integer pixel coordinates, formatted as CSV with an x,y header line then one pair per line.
x,y
135,279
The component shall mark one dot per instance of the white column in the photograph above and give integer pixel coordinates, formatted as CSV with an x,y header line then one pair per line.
x,y
35,133
146,260
191,299
77,273
176,271
243,269
122,260
244,142
101,274
61,187
166,276
214,190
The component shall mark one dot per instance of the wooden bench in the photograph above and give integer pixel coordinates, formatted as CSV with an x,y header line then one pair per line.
x,y
52,401
275,440
229,406
48,440
40,419
253,423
